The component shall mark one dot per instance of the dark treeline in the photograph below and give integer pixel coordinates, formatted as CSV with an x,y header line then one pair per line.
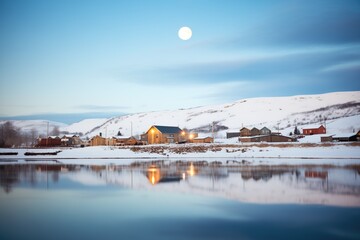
x,y
10,136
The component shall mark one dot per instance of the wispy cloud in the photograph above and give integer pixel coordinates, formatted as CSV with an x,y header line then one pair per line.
x,y
101,107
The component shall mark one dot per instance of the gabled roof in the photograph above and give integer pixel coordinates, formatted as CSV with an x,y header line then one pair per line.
x,y
254,128
313,126
167,129
244,128
264,128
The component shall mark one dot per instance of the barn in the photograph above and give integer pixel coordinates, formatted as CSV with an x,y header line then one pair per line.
x,y
314,130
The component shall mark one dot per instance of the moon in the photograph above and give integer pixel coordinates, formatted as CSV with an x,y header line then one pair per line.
x,y
185,33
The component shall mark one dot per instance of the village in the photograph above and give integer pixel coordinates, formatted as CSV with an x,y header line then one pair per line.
x,y
174,135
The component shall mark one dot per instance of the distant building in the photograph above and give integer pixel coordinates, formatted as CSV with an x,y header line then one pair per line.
x,y
52,141
71,140
255,132
97,141
326,139
265,131
232,134
267,138
245,132
314,130
203,140
125,140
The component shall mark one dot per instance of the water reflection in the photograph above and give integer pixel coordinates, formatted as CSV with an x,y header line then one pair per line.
x,y
256,184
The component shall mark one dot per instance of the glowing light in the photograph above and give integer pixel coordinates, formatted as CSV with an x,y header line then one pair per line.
x,y
191,170
185,33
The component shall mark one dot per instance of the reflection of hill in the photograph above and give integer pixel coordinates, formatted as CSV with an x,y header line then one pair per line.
x,y
280,183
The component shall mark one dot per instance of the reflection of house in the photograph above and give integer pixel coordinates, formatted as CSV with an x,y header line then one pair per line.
x,y
314,130
52,141
316,174
203,140
156,175
267,138
163,134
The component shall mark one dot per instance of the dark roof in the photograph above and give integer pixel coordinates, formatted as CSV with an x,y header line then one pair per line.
x,y
167,129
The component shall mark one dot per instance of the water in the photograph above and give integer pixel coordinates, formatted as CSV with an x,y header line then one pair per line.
x,y
178,201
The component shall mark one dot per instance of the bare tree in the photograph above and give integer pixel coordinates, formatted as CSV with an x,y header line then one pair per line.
x,y
55,131
9,135
34,136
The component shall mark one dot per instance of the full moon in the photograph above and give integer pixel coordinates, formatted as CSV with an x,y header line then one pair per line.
x,y
185,33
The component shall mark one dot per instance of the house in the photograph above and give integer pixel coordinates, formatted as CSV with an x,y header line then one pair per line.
x,y
71,140
254,132
245,132
314,130
51,141
232,134
265,131
203,140
326,139
97,141
267,138
125,140
163,134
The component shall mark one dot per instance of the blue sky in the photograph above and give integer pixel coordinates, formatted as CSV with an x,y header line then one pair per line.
x,y
97,56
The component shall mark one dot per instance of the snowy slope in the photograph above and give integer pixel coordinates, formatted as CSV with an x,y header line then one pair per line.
x,y
84,126
38,125
282,112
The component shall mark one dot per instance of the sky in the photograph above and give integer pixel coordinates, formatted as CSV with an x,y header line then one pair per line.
x,y
100,57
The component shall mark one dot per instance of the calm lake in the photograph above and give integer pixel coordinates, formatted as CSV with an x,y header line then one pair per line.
x,y
178,200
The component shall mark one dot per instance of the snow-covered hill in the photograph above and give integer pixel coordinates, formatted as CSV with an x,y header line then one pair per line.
x,y
41,126
275,112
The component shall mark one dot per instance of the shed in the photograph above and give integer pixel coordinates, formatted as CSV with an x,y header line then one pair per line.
x,y
203,140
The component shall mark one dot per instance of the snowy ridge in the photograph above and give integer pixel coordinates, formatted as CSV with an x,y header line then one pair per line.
x,y
38,125
282,112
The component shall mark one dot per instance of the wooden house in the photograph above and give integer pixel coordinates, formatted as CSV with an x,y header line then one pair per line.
x,y
125,140
326,139
164,134
254,132
267,138
265,131
203,140
97,141
314,130
71,140
245,132
51,141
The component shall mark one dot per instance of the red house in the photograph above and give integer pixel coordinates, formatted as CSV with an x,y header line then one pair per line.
x,y
49,142
311,131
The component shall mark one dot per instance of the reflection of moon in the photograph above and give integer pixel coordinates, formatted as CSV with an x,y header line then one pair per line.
x,y
185,33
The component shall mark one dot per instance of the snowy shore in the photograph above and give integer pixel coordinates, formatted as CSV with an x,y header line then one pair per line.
x,y
256,154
